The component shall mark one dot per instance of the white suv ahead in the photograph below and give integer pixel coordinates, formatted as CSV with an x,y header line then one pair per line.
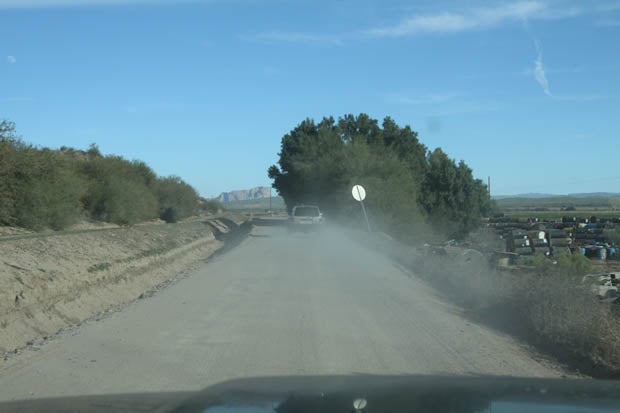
x,y
305,218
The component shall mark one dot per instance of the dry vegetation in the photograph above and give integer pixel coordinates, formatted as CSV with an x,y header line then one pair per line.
x,y
552,310
548,307
43,188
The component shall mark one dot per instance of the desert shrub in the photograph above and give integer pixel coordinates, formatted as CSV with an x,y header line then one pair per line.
x,y
211,206
548,306
51,201
127,202
564,265
177,200
566,317
44,188
120,191
613,235
41,188
573,265
9,150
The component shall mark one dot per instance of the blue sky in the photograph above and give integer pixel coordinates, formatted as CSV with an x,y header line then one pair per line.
x,y
526,92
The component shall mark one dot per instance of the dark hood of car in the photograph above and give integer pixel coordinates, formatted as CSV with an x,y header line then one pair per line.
x,y
339,393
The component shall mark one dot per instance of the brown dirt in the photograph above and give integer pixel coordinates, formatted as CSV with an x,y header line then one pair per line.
x,y
49,281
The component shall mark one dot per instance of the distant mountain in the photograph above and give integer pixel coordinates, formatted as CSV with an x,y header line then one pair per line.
x,y
244,194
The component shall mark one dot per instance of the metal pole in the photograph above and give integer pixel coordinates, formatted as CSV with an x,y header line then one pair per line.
x,y
363,208
365,215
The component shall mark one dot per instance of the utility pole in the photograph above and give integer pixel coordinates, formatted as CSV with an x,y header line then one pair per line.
x,y
270,199
489,185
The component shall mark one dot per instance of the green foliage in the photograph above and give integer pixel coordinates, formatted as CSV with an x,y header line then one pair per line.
x,y
573,265
612,235
37,187
452,198
407,186
49,200
43,188
99,267
542,265
9,145
177,199
565,265
119,191
127,202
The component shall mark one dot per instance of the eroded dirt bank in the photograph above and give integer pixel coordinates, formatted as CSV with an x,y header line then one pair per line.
x,y
48,282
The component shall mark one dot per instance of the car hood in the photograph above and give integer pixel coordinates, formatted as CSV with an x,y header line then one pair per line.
x,y
339,393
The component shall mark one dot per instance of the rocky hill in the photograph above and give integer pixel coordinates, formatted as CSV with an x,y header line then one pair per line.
x,y
244,194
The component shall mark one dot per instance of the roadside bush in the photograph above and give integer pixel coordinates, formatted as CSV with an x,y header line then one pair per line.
x,y
613,235
548,306
40,188
127,203
9,147
210,206
573,265
44,188
170,215
177,200
51,201
565,265
566,318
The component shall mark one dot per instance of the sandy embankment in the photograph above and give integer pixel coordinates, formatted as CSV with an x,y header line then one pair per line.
x,y
51,281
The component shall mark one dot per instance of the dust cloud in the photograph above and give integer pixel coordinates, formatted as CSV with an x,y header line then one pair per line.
x,y
565,323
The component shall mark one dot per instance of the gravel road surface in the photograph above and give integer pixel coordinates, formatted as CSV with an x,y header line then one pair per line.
x,y
274,305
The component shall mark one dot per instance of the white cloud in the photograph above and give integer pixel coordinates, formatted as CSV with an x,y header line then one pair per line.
x,y
473,19
443,22
11,60
539,72
577,69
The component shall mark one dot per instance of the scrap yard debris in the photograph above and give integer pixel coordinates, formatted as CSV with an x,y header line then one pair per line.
x,y
586,236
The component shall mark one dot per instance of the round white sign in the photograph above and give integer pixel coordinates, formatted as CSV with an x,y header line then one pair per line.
x,y
359,193
359,404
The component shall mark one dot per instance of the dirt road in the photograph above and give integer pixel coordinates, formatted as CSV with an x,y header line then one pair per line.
x,y
274,305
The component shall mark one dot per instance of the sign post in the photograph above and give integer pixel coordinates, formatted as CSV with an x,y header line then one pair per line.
x,y
359,194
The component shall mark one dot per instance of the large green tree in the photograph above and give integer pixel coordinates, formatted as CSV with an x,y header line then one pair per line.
x,y
407,185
